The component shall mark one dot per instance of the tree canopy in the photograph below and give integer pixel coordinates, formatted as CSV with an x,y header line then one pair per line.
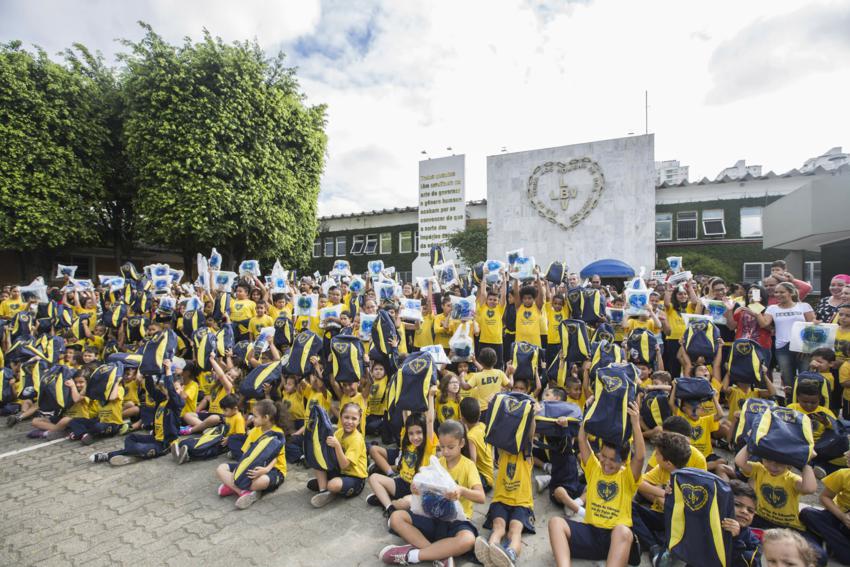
x,y
470,243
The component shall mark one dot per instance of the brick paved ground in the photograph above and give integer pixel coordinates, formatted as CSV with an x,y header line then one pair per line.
x,y
58,509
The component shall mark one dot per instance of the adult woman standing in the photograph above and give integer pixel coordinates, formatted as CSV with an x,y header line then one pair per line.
x,y
677,300
828,306
787,310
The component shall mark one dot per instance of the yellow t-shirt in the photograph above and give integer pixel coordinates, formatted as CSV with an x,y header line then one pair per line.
x,y
609,496
313,397
254,434
513,483
701,434
235,424
839,483
842,345
274,312
95,341
11,307
354,448
528,324
466,475
191,391
486,384
206,381
242,310
450,409
424,335
490,324
708,405
131,392
735,398
356,399
80,409
377,402
216,395
635,323
777,496
110,412
407,460
580,402
658,475
256,324
441,335
817,427
844,378
294,402
554,319
483,452
79,311
676,322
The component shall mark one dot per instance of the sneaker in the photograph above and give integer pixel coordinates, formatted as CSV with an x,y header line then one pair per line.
x,y
313,485
541,482
450,562
175,450
125,428
372,500
224,490
185,430
12,421
373,468
502,556
322,498
36,434
87,439
547,468
482,551
121,460
182,454
99,458
388,511
634,553
579,515
820,472
51,435
395,554
247,498
662,559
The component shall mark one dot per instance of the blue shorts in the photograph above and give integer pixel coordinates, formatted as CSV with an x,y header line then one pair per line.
x,y
393,455
351,485
435,530
402,488
521,514
203,415
588,542
276,478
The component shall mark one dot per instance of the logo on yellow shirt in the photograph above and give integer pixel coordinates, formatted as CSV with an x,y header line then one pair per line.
x,y
696,433
774,495
607,490
526,314
490,313
511,470
695,496
448,412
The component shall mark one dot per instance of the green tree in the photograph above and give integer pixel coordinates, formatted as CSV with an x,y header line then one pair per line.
x,y
470,243
706,265
223,148
51,144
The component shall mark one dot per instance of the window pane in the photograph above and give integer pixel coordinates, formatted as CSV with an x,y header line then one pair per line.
x,y
712,214
751,222
386,243
686,225
755,271
405,242
340,246
317,248
329,247
371,244
357,245
813,275
664,226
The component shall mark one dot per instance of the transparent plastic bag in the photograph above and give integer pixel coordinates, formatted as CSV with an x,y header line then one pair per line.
x,y
411,310
437,353
366,323
637,296
215,260
279,278
463,308
63,272
716,310
328,312
223,281
432,483
513,255
446,273
428,285
341,268
375,267
306,305
161,283
356,285
249,268
808,337
461,344
523,268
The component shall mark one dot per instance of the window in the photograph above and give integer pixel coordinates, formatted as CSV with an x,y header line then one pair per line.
x,y
686,225
357,242
329,247
371,244
751,222
405,277
405,242
340,246
386,243
813,275
416,241
663,226
317,248
712,222
755,272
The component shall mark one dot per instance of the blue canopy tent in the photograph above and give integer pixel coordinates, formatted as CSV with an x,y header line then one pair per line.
x,y
608,268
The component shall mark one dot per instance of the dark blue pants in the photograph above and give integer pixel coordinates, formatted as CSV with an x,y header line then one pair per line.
x,y
79,426
835,534
145,446
234,445
648,526
294,448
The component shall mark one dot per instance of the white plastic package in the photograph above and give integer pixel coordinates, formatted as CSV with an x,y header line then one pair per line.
x,y
249,268
463,308
306,305
461,344
366,323
215,260
431,484
808,337
327,312
523,268
446,274
63,272
411,310
223,281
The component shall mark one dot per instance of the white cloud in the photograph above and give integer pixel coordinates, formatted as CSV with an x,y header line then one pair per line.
x,y
400,77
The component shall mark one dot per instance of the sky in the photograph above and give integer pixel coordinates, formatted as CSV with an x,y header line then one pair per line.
x,y
765,81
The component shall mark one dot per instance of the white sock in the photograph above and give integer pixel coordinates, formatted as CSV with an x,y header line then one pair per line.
x,y
413,556
579,501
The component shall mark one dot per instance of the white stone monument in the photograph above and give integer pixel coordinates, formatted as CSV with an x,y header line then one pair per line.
x,y
576,203
442,207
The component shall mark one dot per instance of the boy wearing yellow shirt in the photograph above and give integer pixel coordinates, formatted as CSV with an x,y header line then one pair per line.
x,y
703,426
444,325
491,309
529,304
832,523
242,310
106,420
488,382
260,320
14,305
470,413
612,480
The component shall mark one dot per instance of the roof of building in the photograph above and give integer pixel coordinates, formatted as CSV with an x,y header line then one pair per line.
x,y
390,211
750,177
